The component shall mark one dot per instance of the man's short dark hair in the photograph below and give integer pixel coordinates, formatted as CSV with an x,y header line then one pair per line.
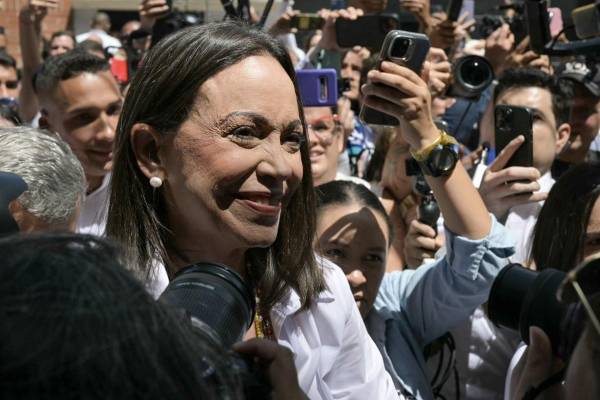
x,y
63,33
6,60
516,78
66,66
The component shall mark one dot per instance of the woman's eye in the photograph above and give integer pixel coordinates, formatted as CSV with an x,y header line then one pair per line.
x,y
334,253
374,258
244,134
294,140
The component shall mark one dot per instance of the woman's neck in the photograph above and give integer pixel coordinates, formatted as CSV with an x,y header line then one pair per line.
x,y
182,256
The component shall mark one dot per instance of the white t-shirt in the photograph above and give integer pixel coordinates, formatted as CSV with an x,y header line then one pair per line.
x,y
521,222
333,352
94,210
92,221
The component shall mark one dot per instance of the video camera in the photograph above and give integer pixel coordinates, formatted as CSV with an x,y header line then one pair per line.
x,y
521,298
221,307
471,75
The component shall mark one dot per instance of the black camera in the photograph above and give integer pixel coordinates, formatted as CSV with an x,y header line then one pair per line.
x,y
221,306
400,48
429,210
521,298
472,75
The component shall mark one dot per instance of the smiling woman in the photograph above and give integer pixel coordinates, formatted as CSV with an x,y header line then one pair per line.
x,y
211,165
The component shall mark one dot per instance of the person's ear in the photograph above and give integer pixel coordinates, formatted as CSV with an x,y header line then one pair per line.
x,y
44,121
146,143
562,137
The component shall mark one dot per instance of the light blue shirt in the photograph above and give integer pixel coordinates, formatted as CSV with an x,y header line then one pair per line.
x,y
415,307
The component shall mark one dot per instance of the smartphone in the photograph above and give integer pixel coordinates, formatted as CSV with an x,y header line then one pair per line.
x,y
454,8
556,21
366,31
404,48
307,22
318,87
510,122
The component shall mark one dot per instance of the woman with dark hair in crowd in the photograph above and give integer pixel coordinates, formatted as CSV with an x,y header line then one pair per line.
x,y
211,164
414,307
568,227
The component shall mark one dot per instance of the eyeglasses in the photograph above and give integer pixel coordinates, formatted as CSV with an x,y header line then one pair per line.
x,y
324,127
582,284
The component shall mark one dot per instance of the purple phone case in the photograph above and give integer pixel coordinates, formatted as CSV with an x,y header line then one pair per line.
x,y
318,87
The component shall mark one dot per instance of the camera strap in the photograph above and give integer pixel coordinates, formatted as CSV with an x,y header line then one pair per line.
x,y
535,391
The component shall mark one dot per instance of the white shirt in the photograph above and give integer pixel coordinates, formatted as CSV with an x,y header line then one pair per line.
x,y
334,355
94,210
521,221
92,221
107,40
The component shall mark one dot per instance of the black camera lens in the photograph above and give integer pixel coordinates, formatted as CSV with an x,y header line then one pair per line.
x,y
400,47
521,298
216,296
472,75
503,118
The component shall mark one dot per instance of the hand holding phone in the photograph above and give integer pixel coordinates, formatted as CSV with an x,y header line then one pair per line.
x,y
511,180
407,49
509,123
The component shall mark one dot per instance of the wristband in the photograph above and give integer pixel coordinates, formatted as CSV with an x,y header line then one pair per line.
x,y
444,139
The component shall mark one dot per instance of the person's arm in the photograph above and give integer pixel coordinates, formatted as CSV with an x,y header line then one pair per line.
x,y
438,296
30,30
398,91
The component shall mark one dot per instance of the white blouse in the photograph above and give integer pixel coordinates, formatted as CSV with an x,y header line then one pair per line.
x,y
334,355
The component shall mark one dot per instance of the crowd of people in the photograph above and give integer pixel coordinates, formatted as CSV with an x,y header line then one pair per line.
x,y
178,220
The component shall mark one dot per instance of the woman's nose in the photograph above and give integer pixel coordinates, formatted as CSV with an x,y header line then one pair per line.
x,y
356,278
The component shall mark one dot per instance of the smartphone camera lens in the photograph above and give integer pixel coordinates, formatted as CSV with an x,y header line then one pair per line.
x,y
400,48
503,116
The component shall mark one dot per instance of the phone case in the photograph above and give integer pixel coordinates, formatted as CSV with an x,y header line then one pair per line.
x,y
415,58
318,87
367,31
454,8
510,122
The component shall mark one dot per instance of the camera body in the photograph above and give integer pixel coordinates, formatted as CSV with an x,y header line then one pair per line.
x,y
221,307
521,298
404,48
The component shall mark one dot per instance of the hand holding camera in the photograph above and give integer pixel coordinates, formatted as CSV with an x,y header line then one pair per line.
x,y
421,242
329,39
278,364
283,25
152,10
446,33
498,47
503,188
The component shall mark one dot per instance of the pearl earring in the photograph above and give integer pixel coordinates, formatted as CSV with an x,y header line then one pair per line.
x,y
156,182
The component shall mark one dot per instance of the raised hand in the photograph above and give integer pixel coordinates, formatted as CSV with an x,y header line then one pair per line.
x,y
503,188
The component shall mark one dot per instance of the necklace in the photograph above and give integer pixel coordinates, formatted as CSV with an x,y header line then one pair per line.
x,y
263,328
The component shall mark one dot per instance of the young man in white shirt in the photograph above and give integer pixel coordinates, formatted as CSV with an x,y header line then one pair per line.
x,y
81,101
515,194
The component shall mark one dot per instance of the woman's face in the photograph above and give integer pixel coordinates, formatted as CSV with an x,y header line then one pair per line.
x,y
326,143
234,163
356,238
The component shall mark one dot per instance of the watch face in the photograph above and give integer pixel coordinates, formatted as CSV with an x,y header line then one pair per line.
x,y
443,159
